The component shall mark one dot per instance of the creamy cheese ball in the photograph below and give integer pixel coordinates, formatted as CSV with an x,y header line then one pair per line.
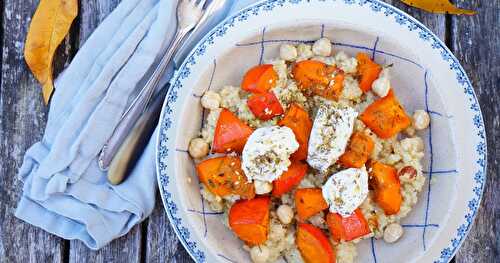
x,y
346,190
330,134
266,154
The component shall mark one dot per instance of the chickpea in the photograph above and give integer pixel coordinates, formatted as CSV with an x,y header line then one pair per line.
x,y
259,254
382,85
198,148
393,232
210,100
262,187
322,47
421,120
408,171
285,214
288,52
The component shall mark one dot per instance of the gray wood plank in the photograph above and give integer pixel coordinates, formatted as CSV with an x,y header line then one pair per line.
x,y
92,13
475,41
124,249
22,121
162,242
128,247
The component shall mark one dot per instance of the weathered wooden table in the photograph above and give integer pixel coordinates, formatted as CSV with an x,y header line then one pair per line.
x,y
474,40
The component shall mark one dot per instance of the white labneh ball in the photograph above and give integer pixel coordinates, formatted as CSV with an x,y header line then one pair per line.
x,y
266,154
330,134
346,190
322,47
288,52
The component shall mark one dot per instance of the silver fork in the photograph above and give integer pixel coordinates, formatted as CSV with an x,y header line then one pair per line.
x,y
189,13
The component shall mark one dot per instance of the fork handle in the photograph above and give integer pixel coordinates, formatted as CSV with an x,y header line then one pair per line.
x,y
136,109
135,143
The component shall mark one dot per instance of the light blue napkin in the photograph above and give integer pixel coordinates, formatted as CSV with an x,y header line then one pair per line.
x,y
64,191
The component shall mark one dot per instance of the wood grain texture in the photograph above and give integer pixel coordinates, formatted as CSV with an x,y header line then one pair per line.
x,y
124,249
162,243
22,121
475,41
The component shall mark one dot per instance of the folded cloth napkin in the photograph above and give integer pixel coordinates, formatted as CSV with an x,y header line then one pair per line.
x,y
64,191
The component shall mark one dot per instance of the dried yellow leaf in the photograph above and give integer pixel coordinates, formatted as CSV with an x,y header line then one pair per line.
x,y
438,6
49,25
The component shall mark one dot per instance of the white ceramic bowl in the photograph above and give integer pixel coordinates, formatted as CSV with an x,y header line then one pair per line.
x,y
426,76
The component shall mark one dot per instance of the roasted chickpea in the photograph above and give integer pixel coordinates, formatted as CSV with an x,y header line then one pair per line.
x,y
198,148
393,233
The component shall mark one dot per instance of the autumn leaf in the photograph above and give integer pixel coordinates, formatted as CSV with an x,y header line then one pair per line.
x,y
49,26
438,6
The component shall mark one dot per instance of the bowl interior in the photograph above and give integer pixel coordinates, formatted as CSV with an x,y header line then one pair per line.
x,y
413,83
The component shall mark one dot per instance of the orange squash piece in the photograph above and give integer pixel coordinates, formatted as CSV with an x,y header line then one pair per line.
x,y
265,106
387,188
334,88
289,179
389,199
231,133
260,79
313,245
223,176
347,228
309,201
319,78
368,71
386,117
249,219
298,120
358,151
